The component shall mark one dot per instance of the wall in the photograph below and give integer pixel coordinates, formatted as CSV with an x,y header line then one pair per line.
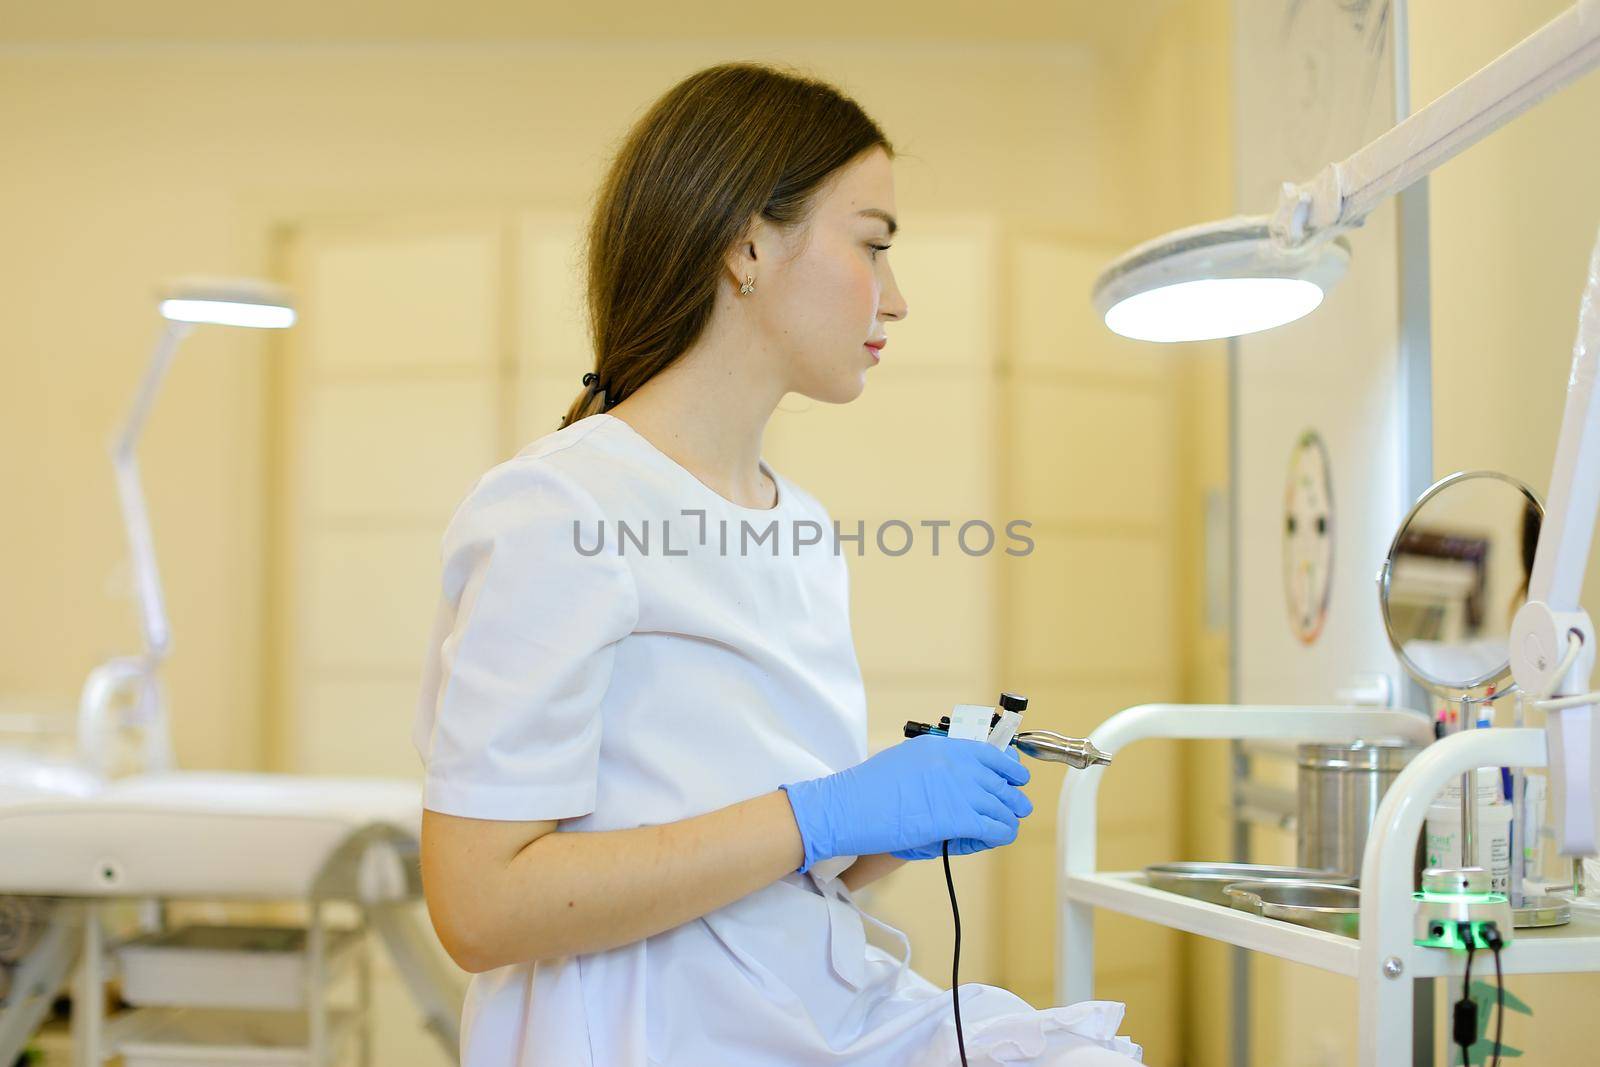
x,y
130,163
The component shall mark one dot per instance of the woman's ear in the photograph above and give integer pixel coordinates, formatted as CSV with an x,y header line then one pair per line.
x,y
763,247
744,259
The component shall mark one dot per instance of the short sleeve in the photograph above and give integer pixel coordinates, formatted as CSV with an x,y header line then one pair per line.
x,y
521,655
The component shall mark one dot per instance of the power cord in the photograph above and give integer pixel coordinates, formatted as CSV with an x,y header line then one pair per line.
x,y
1464,1026
955,965
1492,938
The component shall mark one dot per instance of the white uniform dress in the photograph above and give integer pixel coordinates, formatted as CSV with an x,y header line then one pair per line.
x,y
701,657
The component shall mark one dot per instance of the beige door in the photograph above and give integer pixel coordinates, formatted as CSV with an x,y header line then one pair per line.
x,y
393,397
394,394
1090,617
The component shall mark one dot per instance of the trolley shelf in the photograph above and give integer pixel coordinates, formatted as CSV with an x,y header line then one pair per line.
x,y
1574,947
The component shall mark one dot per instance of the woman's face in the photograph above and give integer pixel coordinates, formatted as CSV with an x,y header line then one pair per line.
x,y
830,290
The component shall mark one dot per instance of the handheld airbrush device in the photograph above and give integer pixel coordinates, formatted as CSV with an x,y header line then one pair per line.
x,y
998,726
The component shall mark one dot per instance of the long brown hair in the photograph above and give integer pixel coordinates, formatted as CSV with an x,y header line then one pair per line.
x,y
719,147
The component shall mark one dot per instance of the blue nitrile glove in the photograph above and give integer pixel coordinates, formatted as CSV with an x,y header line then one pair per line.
x,y
962,846
920,792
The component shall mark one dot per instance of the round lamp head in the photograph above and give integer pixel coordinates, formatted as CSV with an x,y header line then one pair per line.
x,y
228,302
1222,279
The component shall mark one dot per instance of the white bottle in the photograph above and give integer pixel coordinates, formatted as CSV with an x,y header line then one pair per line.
x,y
1531,834
1443,832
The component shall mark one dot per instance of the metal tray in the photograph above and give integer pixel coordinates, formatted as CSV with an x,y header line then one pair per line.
x,y
1206,881
1320,905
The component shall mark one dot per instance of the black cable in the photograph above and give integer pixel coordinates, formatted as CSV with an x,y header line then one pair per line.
x,y
1465,1023
955,965
1492,936
1499,1005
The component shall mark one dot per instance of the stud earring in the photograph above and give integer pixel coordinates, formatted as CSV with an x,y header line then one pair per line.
x,y
749,285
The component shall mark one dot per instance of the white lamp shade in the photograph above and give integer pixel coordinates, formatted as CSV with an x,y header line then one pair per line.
x,y
228,302
1222,279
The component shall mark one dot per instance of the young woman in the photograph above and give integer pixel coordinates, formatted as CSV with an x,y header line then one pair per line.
x,y
648,798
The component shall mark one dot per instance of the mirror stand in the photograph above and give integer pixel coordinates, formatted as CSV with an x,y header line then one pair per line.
x,y
1469,795
1455,574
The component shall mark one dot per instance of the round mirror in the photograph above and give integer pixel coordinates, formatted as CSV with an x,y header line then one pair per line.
x,y
1455,575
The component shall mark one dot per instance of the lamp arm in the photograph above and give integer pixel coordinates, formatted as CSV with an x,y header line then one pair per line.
x,y
1341,196
1574,499
130,492
1543,628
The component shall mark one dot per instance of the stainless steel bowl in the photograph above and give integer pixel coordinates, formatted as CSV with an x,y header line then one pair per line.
x,y
1206,881
1320,905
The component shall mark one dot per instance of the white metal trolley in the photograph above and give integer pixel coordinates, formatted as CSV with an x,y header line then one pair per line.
x,y
1384,959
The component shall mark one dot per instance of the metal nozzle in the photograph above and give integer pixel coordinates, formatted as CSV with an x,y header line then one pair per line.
x,y
1055,748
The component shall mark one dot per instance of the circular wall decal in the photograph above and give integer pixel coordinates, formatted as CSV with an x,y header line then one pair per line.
x,y
1308,537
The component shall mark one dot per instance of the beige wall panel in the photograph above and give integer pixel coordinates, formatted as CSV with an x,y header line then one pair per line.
x,y
1096,606
1129,947
1134,845
358,726
921,616
552,329
1141,791
1029,877
369,599
377,304
403,450
912,446
1056,328
1126,945
1134,805
1092,455
947,276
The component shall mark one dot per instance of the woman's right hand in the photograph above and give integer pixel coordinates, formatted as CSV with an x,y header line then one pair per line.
x,y
912,796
